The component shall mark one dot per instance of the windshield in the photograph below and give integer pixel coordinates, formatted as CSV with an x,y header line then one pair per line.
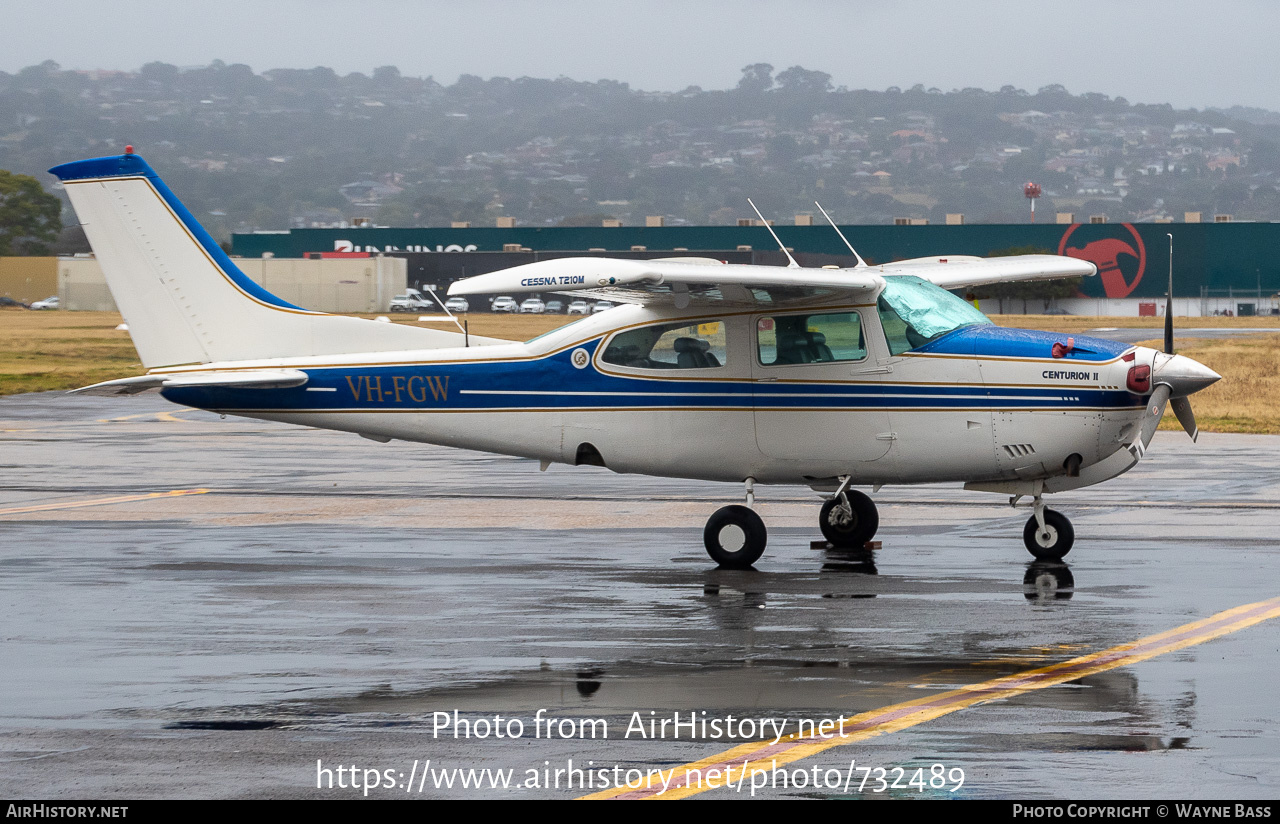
x,y
913,312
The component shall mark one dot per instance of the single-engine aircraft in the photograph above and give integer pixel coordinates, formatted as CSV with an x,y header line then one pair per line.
x,y
829,377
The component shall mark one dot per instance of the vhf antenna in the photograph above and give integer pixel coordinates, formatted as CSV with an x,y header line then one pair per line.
x,y
862,264
1168,306
792,264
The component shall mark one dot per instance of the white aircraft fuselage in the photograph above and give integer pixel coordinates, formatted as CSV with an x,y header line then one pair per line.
x,y
822,377
981,404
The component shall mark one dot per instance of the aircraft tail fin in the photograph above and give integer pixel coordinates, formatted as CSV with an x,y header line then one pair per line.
x,y
184,299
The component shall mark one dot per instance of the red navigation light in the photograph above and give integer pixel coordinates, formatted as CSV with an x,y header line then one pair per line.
x,y
128,149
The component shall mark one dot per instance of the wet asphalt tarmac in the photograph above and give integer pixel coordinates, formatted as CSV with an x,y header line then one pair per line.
x,y
328,595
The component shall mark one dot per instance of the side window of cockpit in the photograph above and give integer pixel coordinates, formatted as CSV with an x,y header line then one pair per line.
x,y
798,339
670,346
899,334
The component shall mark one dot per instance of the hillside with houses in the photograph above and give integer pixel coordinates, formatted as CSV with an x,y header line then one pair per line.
x,y
306,147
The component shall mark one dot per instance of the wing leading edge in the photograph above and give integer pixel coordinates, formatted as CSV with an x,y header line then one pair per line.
x,y
661,281
656,281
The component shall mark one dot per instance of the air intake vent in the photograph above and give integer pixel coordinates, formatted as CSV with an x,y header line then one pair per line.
x,y
1019,450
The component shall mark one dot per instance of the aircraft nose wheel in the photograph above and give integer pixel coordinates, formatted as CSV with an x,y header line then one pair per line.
x,y
735,537
1054,541
849,519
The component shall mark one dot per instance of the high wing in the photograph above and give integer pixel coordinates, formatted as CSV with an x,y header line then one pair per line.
x,y
668,280
681,279
956,272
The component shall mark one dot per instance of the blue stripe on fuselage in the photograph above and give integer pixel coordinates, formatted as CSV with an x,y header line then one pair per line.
x,y
554,383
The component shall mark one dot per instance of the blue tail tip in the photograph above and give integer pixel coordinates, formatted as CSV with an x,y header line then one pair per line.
x,y
125,165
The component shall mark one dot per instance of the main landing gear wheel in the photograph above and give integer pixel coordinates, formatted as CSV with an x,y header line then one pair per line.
x,y
849,520
1054,541
735,537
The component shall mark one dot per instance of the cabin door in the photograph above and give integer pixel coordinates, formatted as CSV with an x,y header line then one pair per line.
x,y
819,387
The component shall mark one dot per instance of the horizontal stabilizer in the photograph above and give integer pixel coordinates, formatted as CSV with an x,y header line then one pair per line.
x,y
250,379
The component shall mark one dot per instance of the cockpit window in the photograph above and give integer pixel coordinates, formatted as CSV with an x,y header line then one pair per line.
x,y
914,311
793,339
669,346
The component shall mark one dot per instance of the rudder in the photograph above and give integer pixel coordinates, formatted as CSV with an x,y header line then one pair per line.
x,y
184,299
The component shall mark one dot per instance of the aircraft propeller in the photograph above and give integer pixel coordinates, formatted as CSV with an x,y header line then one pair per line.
x,y
1180,376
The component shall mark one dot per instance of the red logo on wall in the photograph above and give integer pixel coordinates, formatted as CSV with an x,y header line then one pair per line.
x,y
1106,254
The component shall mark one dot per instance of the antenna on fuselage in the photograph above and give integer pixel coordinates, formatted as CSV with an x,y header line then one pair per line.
x,y
765,223
431,290
862,264
1168,306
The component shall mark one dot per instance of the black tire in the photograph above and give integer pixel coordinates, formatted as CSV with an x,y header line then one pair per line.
x,y
861,523
735,537
1056,543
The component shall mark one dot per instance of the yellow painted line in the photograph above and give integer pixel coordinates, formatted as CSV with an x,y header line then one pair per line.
x,y
120,499
762,756
126,417
167,417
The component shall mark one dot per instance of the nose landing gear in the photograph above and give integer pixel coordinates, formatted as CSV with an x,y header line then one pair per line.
x,y
1048,534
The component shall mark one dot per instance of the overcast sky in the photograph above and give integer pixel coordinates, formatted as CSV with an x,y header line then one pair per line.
x,y
1196,54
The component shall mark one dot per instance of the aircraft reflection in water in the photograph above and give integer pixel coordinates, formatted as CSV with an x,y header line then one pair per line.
x,y
828,377
1048,581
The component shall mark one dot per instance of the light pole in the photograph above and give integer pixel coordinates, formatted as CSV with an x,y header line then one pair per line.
x,y
1032,191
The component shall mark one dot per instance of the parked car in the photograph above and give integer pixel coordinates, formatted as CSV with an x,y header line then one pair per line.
x,y
47,303
457,305
410,301
601,306
506,303
554,307
579,307
532,306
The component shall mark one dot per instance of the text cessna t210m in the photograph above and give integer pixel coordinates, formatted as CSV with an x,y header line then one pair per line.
x,y
829,378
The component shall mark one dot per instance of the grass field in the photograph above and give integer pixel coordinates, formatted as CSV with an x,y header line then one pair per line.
x,y
41,351
62,350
